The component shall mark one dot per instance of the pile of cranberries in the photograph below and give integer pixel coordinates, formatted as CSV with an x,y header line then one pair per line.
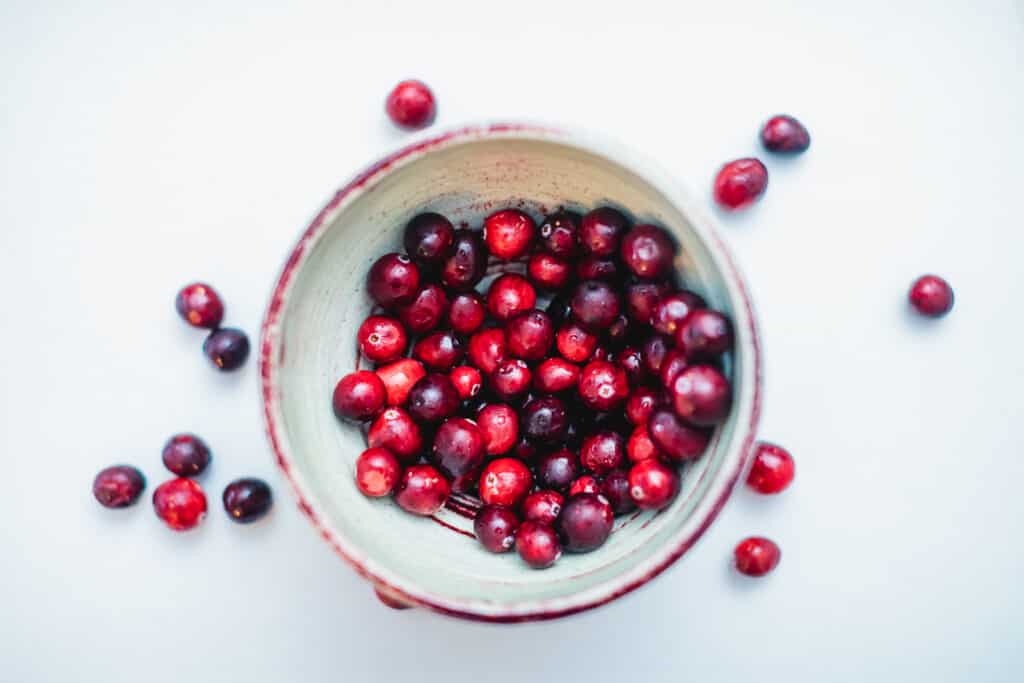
x,y
199,305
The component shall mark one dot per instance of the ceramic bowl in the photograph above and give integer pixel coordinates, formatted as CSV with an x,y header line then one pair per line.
x,y
308,343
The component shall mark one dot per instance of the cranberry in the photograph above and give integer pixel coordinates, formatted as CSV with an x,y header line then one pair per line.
x,y
458,447
593,268
642,297
671,309
433,399
466,313
199,305
557,470
499,426
495,527
931,296
509,233
602,385
358,395
247,499
510,294
545,420
701,395
398,378
187,455
615,487
118,486
180,503
595,305
389,600
393,279
653,484
227,348
466,483
411,105
585,523
756,556
547,271
785,135
428,237
538,544
381,339
558,233
585,484
505,481
377,472
425,311
575,343
672,364
466,263
704,334
773,469
422,490
602,452
632,363
530,335
511,379
739,183
676,440
438,350
555,375
641,404
487,350
601,231
396,431
648,252
640,445
467,381
654,351
542,506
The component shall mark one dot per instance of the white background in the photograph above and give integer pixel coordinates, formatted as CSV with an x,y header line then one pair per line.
x,y
141,148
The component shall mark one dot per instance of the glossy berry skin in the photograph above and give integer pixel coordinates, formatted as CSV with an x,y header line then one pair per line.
x,y
247,500
740,183
377,472
603,386
439,350
180,503
591,267
505,481
381,339
676,440
601,231
603,452
585,484
495,527
575,343
499,426
672,309
783,134
615,488
542,506
555,375
427,238
396,431
359,395
530,335
411,105
545,420
509,234
642,297
654,351
595,305
466,313
510,379
458,447
773,469
433,399
509,295
648,252
632,363
558,233
756,556
422,490
487,349
701,395
548,272
704,334
585,523
672,364
393,279
399,377
641,404
187,455
466,262
427,309
931,296
653,484
640,446
557,470
199,305
467,381
538,544
118,486
227,348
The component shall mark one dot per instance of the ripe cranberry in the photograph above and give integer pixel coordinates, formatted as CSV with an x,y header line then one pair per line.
x,y
785,135
487,349
547,271
585,523
530,335
510,294
118,486
701,395
654,351
545,420
425,311
505,481
648,252
511,379
739,183
187,455
543,506
931,296
199,305
641,404
381,339
396,431
602,452
389,600
595,305
358,396
432,399
466,483
601,231
671,309
499,427
602,385
538,544
704,334
398,378
247,499
575,343
428,237
591,267
458,447
555,375
773,469
422,490
495,527
673,363
393,279
756,556
466,263
180,503
558,233
466,313
642,297
467,381
557,470
509,233
615,487
640,445
411,105
585,484
438,350
632,363
377,472
227,348
653,484
676,440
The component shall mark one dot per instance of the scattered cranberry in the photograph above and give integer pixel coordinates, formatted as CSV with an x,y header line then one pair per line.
x,y
575,343
931,296
467,381
399,377
672,364
602,385
438,350
739,183
648,252
602,452
676,440
422,490
393,279
558,233
458,447
511,379
247,499
530,335
591,267
601,231
756,556
180,503
557,470
773,469
543,506
641,404
187,455
433,399
227,348
495,527
548,271
509,233
510,294
653,484
466,313
615,487
381,339
487,349
631,361
199,305
505,481
654,351
499,427
538,544
411,105
595,304
396,431
701,395
585,523
785,135
585,484
425,311
428,237
640,445
118,486
642,297
377,472
466,263
358,395
704,335
672,309
545,420
555,375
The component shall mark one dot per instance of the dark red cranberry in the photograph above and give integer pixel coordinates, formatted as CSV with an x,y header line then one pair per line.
x,y
545,420
741,182
247,499
428,237
773,469
432,399
675,439
641,404
118,486
543,506
377,472
466,263
495,527
396,431
653,484
547,271
199,305
525,449
591,267
601,230
458,447
654,351
425,311
227,348
487,349
602,452
530,335
358,395
640,445
510,379
783,134
931,296
187,455
389,600
632,362
648,252
466,313
585,484
398,378
180,503
756,556
671,309
558,233
575,343
674,362
555,375
510,294
381,339
595,305
701,395
557,470
422,490
615,487
411,105
559,309
704,334
505,481
602,385
499,426
467,380
538,544
439,350
509,234
642,297
585,523
393,279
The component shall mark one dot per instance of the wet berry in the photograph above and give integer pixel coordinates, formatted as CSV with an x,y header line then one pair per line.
x,y
180,503
247,500
186,455
199,305
377,472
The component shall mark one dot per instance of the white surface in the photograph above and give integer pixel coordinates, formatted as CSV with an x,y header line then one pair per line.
x,y
141,148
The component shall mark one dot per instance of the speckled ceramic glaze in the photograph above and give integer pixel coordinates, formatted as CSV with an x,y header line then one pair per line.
x,y
308,343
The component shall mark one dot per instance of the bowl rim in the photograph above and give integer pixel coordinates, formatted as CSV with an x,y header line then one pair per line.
x,y
739,448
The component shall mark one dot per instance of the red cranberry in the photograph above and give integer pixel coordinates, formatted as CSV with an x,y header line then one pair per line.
x,y
555,375
642,297
545,420
187,455
499,426
530,335
377,472
671,310
180,503
227,348
601,231
704,334
585,484
422,490
495,527
439,350
411,105
676,440
381,339
467,381
538,544
509,233
585,523
591,267
773,469
432,399
547,271
653,484
389,600
398,378
641,405
632,363
931,296
247,499
739,183
396,431
558,233
575,343
118,486
615,487
648,252
428,237
393,279
654,351
511,379
557,470
673,363
543,506
785,135
505,481
466,263
466,313
595,305
640,445
756,556
701,395
602,385
199,305
425,311
466,483
602,452
487,349
358,396
510,294
458,447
